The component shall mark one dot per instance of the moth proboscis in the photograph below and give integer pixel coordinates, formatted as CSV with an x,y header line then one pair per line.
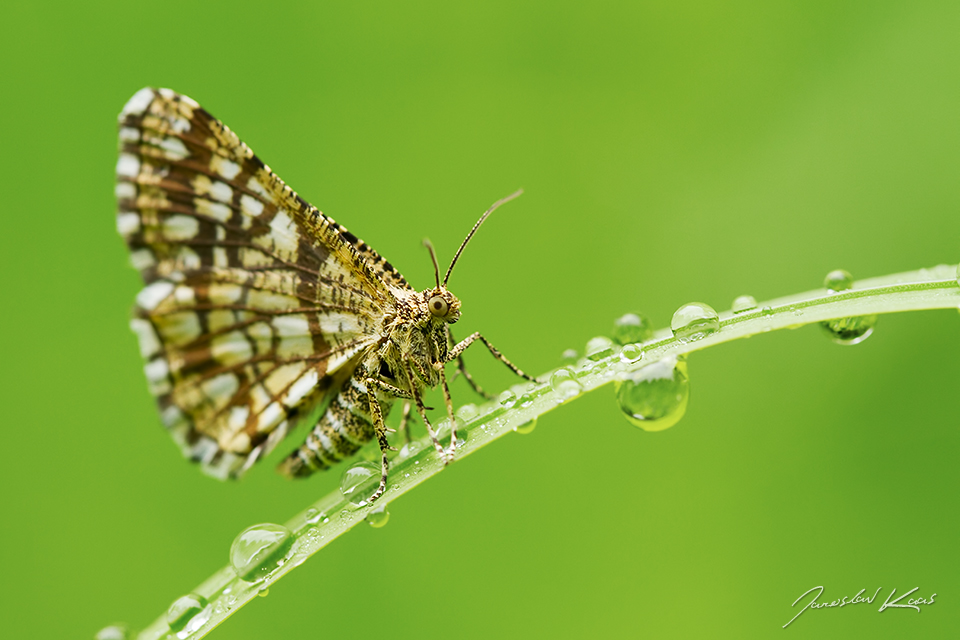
x,y
257,306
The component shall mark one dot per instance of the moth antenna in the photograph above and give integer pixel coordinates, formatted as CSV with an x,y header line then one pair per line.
x,y
433,256
493,207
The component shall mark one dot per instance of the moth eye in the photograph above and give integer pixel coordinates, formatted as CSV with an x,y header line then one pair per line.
x,y
438,306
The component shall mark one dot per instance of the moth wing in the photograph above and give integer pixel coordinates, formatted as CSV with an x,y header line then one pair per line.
x,y
255,303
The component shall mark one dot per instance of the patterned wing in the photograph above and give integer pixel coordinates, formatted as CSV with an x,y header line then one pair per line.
x,y
255,302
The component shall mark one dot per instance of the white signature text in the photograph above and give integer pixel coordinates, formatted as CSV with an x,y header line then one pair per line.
x,y
889,603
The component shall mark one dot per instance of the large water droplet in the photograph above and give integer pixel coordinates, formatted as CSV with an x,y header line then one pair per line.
x,y
853,330
849,331
313,516
184,609
260,549
564,382
694,321
630,353
507,399
632,327
599,348
378,517
359,482
113,632
743,303
838,280
655,397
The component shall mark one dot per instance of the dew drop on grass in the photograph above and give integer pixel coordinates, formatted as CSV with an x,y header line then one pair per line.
x,y
526,427
185,609
838,280
263,593
848,331
526,400
564,382
631,353
113,632
507,399
632,328
468,412
378,516
408,449
655,397
599,348
694,321
260,549
313,516
743,303
359,482
767,311
443,429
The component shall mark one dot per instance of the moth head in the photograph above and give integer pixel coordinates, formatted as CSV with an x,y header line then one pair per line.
x,y
442,305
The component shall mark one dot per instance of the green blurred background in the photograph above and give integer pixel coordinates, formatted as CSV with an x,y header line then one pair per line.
x,y
670,152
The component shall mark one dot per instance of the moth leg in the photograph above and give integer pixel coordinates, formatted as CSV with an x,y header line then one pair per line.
x,y
421,409
405,422
381,428
462,369
453,431
458,349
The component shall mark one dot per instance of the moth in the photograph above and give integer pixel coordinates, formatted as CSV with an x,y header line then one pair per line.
x,y
257,307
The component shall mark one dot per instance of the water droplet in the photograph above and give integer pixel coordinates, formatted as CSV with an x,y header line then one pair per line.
x,y
263,593
570,356
632,327
743,303
526,427
359,482
260,549
849,331
195,623
630,353
767,311
468,412
313,516
507,399
655,397
838,280
184,609
378,516
113,632
526,400
409,449
443,430
564,382
599,348
694,321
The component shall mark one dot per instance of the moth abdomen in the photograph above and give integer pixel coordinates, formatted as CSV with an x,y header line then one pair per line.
x,y
339,433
